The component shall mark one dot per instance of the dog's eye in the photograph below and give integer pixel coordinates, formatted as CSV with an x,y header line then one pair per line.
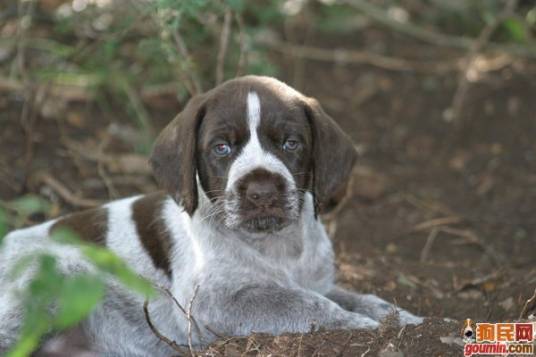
x,y
291,145
222,149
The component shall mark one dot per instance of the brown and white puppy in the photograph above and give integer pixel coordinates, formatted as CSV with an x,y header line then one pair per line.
x,y
247,167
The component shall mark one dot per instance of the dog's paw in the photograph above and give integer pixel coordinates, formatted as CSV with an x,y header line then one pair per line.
x,y
359,322
407,318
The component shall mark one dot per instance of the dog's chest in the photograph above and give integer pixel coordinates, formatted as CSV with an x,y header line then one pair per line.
x,y
304,256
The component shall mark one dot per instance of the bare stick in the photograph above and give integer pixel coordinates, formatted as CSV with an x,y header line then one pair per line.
x,y
476,47
157,333
529,305
112,192
355,56
224,44
65,193
189,316
183,50
428,245
437,222
183,310
379,15
243,58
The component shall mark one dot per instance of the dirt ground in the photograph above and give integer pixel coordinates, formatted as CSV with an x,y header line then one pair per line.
x,y
440,218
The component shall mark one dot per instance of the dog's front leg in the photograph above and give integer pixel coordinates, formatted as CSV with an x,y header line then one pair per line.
x,y
370,305
274,310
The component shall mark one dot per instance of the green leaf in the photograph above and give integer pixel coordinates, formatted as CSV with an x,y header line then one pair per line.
x,y
77,298
66,236
3,225
26,345
108,262
20,266
38,298
515,30
28,205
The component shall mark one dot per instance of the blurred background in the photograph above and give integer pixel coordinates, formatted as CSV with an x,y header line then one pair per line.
x,y
439,97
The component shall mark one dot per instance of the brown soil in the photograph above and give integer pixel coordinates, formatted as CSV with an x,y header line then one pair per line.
x,y
477,175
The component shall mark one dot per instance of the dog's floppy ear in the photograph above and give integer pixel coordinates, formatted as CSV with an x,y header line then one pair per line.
x,y
173,156
334,156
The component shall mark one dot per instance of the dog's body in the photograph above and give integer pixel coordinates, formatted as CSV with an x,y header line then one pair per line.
x,y
248,166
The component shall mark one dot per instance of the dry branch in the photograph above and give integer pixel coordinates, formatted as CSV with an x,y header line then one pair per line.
x,y
477,46
159,335
243,57
189,316
379,15
224,44
65,193
340,55
529,306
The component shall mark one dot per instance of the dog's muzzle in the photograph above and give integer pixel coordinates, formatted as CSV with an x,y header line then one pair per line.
x,y
261,203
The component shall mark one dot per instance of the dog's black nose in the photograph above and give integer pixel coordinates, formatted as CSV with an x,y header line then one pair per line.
x,y
262,194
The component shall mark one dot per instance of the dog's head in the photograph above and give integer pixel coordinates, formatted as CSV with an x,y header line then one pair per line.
x,y
257,146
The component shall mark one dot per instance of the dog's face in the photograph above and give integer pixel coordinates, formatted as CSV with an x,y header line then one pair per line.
x,y
256,146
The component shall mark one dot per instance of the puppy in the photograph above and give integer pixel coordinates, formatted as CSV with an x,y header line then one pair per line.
x,y
247,168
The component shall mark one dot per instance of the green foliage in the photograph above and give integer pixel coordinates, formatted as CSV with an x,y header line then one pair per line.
x,y
18,211
515,30
3,225
54,301
106,261
28,205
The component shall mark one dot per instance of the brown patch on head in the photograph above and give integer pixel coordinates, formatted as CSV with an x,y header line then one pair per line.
x,y
152,231
90,225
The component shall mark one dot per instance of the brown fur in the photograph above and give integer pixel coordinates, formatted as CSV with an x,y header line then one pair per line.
x,y
90,225
152,232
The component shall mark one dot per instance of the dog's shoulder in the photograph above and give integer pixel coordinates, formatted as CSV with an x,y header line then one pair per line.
x,y
142,229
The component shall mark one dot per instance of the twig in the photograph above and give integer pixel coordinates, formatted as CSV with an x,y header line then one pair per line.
x,y
436,222
25,13
157,333
345,344
529,306
477,46
183,50
67,93
143,116
471,237
112,192
366,352
428,245
183,310
188,78
243,57
65,193
224,44
27,121
377,14
189,316
355,56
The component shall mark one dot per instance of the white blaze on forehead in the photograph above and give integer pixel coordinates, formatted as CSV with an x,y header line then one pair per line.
x,y
254,113
253,156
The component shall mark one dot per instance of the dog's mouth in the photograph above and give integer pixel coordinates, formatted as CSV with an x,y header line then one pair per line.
x,y
264,220
264,224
